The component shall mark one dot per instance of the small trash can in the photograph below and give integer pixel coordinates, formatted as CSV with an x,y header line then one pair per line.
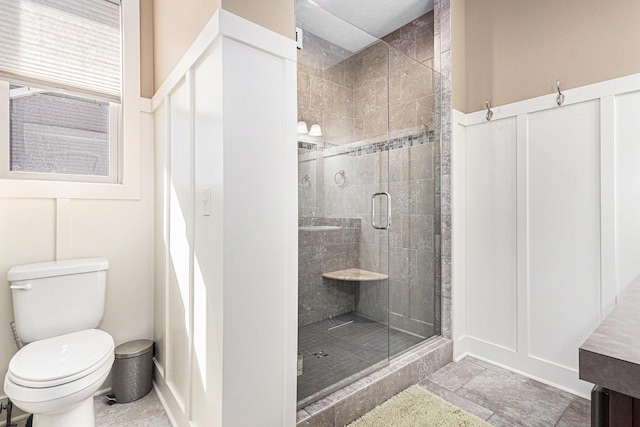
x,y
132,370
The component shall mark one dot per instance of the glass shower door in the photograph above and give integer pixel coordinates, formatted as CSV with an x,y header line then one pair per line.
x,y
344,202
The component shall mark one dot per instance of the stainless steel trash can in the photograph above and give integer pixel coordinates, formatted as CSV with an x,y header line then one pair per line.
x,y
132,370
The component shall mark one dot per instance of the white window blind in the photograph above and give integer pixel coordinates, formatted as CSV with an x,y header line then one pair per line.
x,y
69,44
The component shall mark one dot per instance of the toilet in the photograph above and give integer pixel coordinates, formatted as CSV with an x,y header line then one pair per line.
x,y
57,306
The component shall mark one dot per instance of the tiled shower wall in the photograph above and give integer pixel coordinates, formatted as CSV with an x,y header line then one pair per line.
x,y
360,107
326,88
324,245
356,97
411,248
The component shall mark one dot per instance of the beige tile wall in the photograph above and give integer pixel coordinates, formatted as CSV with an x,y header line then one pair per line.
x,y
326,89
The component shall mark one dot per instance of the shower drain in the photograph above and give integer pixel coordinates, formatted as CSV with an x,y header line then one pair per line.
x,y
320,354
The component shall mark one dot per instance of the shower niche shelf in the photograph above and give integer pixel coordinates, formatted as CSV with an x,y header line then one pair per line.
x,y
355,275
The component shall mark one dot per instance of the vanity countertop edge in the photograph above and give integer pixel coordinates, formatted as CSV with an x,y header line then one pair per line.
x,y
610,357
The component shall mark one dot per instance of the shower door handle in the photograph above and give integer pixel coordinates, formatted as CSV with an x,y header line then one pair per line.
x,y
373,211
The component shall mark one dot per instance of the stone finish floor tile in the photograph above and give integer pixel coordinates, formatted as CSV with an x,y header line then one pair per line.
x,y
146,412
578,414
506,399
495,368
499,420
457,400
302,415
519,400
554,390
456,374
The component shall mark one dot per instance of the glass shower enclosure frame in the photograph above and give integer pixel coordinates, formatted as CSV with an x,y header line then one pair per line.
x,y
369,212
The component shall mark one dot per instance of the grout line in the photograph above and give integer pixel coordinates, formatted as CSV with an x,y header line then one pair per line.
x,y
565,411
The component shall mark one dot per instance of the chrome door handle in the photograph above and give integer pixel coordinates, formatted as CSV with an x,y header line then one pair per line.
x,y
373,211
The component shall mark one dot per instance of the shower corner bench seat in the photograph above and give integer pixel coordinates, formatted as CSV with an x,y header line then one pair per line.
x,y
355,275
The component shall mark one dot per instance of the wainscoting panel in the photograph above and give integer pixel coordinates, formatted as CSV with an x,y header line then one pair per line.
x,y
627,188
180,237
564,231
491,236
535,287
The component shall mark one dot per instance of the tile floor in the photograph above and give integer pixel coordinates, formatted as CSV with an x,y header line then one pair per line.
x,y
503,398
146,412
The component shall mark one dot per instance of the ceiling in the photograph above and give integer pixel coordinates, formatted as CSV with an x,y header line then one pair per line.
x,y
326,19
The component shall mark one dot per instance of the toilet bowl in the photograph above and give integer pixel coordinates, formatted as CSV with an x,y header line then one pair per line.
x,y
55,378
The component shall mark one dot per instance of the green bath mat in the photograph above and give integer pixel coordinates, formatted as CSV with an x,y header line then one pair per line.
x,y
416,407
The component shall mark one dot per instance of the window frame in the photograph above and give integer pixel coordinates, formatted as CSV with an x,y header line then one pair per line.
x,y
125,183
115,139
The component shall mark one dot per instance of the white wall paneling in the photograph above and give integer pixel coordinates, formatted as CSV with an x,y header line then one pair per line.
x,y
490,240
63,228
564,231
608,166
627,184
548,203
180,240
228,270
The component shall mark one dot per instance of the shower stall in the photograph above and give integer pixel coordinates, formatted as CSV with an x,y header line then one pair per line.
x,y
369,191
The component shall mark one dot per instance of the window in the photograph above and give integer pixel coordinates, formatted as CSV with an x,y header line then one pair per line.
x,y
64,66
64,136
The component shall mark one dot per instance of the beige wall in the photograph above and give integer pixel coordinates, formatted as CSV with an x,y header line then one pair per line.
x,y
458,58
276,15
38,230
146,48
517,49
177,24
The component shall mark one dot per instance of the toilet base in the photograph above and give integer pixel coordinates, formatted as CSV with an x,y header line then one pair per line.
x,y
80,415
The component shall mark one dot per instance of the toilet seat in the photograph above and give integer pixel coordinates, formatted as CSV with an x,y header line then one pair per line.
x,y
59,367
60,360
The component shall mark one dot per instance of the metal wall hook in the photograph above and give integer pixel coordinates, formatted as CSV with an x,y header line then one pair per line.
x,y
489,112
560,98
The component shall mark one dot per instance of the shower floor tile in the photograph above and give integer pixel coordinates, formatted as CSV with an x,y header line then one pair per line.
x,y
332,354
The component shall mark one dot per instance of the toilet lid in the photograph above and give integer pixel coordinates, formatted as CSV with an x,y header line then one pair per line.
x,y
62,359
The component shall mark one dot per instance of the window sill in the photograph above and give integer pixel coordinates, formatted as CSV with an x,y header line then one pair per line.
x,y
20,188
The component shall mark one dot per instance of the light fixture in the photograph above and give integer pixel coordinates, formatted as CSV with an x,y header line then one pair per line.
x,y
315,130
302,128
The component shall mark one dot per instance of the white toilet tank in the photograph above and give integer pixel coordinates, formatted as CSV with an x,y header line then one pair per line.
x,y
59,297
